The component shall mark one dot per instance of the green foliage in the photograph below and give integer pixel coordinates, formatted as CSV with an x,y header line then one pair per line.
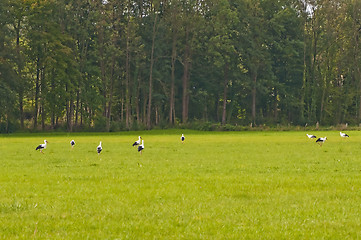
x,y
71,63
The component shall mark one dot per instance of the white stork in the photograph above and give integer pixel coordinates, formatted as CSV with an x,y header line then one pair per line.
x,y
311,136
72,143
136,143
344,135
99,148
183,138
141,147
321,140
42,146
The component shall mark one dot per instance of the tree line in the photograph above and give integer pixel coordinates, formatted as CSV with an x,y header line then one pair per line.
x,y
138,64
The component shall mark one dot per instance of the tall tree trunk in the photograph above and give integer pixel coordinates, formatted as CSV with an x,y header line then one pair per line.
x,y
20,67
52,82
225,88
356,58
102,64
151,73
156,115
90,117
127,76
21,107
70,114
83,58
53,120
81,113
185,80
122,108
304,77
172,86
145,108
77,107
69,109
323,98
254,92
275,105
359,76
217,108
42,92
110,101
137,107
7,122
37,90
313,112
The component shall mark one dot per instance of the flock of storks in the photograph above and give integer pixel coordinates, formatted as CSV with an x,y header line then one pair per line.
x,y
321,140
99,148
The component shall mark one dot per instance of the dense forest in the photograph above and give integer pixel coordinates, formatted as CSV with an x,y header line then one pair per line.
x,y
111,65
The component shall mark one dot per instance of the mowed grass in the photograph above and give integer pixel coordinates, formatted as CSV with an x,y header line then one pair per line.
x,y
229,185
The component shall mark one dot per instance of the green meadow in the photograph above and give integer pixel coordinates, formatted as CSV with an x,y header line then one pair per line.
x,y
217,185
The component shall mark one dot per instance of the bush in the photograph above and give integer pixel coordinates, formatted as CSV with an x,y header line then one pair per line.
x,y
100,124
2,127
8,127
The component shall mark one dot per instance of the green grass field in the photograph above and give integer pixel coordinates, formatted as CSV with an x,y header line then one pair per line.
x,y
218,185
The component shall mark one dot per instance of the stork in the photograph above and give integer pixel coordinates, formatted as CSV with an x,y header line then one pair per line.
x,y
136,143
99,148
321,140
141,147
42,146
311,136
182,138
344,135
72,143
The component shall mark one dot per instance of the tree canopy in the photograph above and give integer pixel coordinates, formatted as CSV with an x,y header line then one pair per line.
x,y
118,65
